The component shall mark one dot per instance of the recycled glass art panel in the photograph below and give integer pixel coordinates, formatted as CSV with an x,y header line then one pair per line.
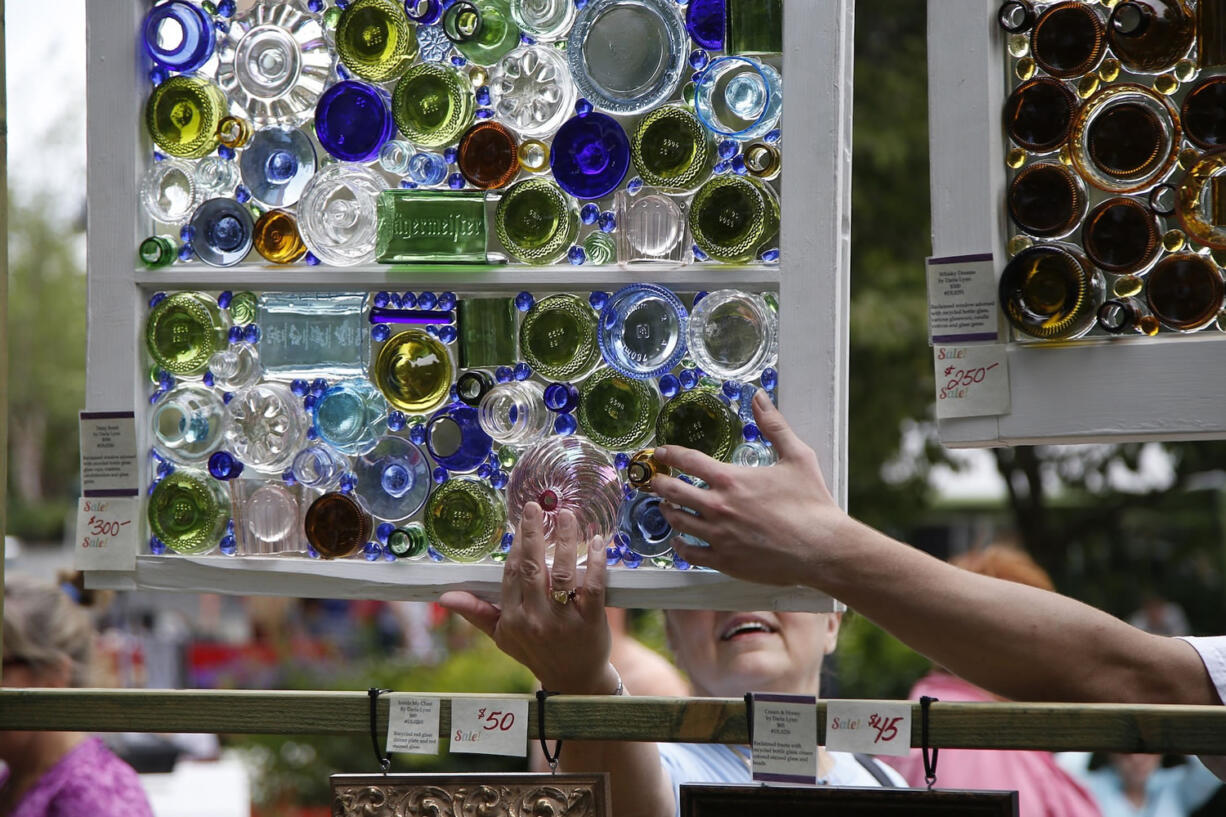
x,y
541,132
1116,180
417,424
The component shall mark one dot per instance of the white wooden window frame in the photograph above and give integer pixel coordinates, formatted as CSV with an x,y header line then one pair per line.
x,y
812,282
1092,390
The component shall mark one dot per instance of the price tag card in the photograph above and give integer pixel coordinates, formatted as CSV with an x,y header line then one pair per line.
x,y
962,299
108,454
875,727
412,724
784,738
106,533
489,726
971,381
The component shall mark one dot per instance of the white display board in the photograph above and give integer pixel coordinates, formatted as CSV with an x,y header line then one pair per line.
x,y
811,280
1097,389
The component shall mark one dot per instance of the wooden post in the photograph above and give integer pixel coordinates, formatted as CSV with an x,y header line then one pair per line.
x,y
4,320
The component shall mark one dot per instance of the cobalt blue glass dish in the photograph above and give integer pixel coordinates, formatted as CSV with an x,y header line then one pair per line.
x,y
456,440
178,36
352,121
590,155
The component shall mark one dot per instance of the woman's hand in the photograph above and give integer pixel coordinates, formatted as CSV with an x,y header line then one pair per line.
x,y
565,643
770,525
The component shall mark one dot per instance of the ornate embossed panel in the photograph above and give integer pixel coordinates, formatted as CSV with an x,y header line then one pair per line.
x,y
476,795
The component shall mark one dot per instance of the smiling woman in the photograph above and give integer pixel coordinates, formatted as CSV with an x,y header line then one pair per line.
x,y
554,622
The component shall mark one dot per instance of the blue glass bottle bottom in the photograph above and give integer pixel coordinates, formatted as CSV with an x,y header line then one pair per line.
x,y
223,230
178,36
456,440
590,155
352,121
277,165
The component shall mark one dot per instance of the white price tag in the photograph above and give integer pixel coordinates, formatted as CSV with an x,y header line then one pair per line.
x,y
962,299
412,724
490,726
971,381
875,727
106,533
108,454
784,738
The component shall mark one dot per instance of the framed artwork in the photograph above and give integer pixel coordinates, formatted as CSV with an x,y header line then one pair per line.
x,y
453,795
770,801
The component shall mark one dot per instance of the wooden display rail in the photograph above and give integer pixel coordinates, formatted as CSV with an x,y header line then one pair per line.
x,y
1053,727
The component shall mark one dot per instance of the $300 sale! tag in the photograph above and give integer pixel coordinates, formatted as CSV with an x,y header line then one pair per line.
x,y
489,726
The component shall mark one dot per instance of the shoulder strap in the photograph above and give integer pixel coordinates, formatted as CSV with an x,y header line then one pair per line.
x,y
873,767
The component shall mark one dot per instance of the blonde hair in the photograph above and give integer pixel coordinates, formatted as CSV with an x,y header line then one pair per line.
x,y
46,629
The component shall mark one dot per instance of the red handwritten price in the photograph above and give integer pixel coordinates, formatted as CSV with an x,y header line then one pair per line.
x,y
887,728
868,726
105,527
962,379
499,720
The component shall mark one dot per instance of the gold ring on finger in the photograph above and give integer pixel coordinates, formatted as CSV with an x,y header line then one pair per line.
x,y
563,597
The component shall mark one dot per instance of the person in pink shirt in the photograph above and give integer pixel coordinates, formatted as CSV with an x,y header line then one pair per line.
x,y
1044,788
48,642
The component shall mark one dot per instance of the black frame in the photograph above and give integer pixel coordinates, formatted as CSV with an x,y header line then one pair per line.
x,y
774,801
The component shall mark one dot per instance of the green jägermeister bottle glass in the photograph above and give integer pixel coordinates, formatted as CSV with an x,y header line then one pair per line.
x,y
732,216
616,411
671,149
536,222
432,105
465,519
482,30
558,337
182,115
188,512
698,419
375,40
156,251
755,26
183,331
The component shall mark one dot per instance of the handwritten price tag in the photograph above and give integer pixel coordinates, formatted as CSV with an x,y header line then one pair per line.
x,y
868,726
490,726
784,738
412,724
971,381
106,534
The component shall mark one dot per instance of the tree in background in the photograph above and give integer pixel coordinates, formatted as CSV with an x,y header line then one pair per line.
x,y
46,335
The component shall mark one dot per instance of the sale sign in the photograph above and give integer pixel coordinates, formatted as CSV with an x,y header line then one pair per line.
x,y
106,534
971,381
874,727
489,726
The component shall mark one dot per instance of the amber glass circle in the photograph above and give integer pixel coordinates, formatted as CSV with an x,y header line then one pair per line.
x,y
1045,291
1118,316
488,155
1046,200
1068,39
337,525
1039,114
413,371
1184,291
276,237
1204,114
1125,140
1120,235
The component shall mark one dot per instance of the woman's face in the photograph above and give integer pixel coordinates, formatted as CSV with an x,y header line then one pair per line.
x,y
729,654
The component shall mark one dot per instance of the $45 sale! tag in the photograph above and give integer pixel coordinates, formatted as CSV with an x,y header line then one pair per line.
x,y
487,726
868,726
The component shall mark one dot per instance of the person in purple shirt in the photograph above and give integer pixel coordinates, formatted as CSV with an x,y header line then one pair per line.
x,y
48,642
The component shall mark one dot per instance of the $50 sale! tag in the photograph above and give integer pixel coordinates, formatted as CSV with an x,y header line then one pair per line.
x,y
489,726
868,726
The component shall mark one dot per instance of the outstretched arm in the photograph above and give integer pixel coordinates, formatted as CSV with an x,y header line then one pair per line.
x,y
780,525
566,645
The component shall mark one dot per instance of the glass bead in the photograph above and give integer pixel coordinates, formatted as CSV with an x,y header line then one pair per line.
x,y
699,59
772,137
483,95
631,559
576,255
484,471
348,483
312,553
186,252
598,300
635,185
499,479
728,149
583,107
156,298
310,260
408,300
751,433
319,386
225,152
251,333
381,299
679,563
508,539
380,332
458,61
427,300
165,468
699,255
732,389
372,551
228,545
449,155
157,75
507,457
156,546
589,213
769,379
447,301
565,424
608,221
309,403
242,194
669,385
235,334
383,531
621,460
432,331
504,374
287,476
299,386
722,167
226,8
770,256
738,165
613,554
524,301
315,6
207,379
689,379
439,475
417,434
434,555
522,371
455,181
448,333
227,396
395,420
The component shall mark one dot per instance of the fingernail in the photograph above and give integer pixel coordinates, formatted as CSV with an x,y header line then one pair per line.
x,y
762,400
661,451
